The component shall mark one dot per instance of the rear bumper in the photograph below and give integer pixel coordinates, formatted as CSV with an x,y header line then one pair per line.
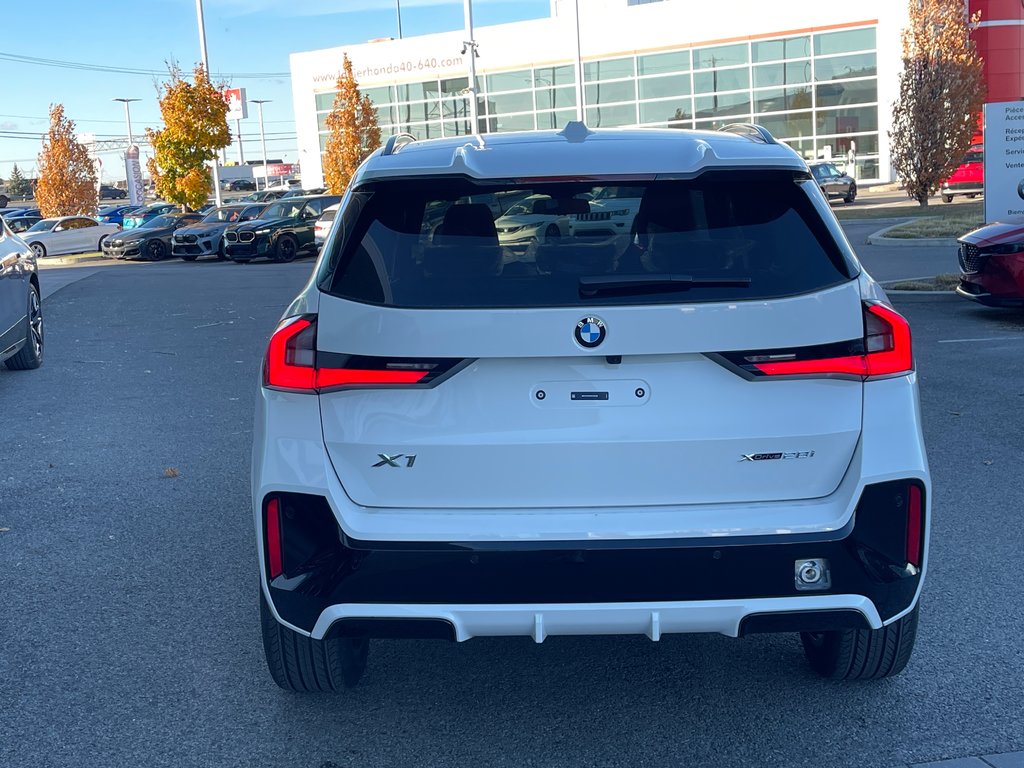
x,y
611,587
962,188
733,618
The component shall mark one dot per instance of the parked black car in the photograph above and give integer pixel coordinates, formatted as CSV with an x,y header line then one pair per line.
x,y
283,232
112,193
236,185
207,237
833,183
151,241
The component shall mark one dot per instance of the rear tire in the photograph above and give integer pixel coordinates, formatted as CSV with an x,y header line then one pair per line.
x,y
851,195
30,356
971,197
862,654
947,198
300,663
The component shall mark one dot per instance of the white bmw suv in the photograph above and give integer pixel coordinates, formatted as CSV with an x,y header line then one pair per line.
x,y
710,426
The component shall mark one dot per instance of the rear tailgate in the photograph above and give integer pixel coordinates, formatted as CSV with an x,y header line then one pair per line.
x,y
533,420
540,392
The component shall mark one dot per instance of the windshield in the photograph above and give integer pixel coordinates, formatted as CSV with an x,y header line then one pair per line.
x,y
283,210
434,244
222,215
43,226
158,221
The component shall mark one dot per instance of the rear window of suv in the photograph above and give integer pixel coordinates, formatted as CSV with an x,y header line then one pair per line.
x,y
457,243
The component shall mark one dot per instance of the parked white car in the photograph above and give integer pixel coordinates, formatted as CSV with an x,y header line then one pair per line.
x,y
323,225
535,219
67,234
612,210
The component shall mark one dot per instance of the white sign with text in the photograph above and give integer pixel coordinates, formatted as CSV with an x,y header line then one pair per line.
x,y
1004,160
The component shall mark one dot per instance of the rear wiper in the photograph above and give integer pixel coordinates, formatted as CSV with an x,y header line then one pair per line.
x,y
657,283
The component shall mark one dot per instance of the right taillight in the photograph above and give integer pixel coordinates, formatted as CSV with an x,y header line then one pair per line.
x,y
884,350
272,525
294,365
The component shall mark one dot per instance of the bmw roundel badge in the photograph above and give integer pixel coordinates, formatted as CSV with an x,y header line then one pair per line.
x,y
590,332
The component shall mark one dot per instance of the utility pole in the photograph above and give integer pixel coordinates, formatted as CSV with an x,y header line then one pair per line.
x,y
398,12
206,66
469,45
263,140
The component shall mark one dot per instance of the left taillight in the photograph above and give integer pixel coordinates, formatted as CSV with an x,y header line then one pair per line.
x,y
293,364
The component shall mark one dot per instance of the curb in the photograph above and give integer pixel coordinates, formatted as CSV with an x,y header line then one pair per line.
x,y
879,238
70,260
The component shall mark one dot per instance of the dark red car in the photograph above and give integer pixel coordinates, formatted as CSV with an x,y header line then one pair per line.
x,y
992,264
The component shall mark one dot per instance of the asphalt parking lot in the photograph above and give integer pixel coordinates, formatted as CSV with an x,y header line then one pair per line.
x,y
129,607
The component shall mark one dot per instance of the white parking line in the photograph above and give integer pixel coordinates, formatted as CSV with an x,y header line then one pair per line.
x,y
986,338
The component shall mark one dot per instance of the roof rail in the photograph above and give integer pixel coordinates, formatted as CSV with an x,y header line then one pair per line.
x,y
750,130
395,142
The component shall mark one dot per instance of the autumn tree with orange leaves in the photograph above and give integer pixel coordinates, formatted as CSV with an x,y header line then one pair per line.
x,y
941,95
67,176
354,133
195,129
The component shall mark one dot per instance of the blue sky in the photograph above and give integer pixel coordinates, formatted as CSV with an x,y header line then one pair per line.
x,y
243,36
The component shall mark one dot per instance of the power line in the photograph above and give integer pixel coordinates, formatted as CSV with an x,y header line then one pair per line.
x,y
107,69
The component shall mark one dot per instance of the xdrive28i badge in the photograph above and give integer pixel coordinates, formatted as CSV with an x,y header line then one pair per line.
x,y
590,332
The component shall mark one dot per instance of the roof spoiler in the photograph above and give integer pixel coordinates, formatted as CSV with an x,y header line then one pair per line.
x,y
751,131
395,142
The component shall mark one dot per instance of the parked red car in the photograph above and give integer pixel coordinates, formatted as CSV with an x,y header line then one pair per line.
x,y
969,178
992,264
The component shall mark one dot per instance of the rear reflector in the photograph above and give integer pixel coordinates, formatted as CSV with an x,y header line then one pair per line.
x,y
293,364
915,528
884,350
273,525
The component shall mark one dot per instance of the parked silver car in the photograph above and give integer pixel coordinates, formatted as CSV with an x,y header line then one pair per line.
x,y
21,312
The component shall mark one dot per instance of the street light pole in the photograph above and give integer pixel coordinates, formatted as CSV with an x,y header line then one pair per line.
x,y
128,116
206,66
263,140
398,12
580,114
469,45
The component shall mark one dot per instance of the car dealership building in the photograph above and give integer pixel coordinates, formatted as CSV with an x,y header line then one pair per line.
x,y
819,74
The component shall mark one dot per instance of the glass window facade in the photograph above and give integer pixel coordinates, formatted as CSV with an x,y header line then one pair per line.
x,y
812,91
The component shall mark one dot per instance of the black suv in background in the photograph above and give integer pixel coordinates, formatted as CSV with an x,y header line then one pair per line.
x,y
282,233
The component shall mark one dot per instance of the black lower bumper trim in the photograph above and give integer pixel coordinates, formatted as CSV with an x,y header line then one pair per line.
x,y
803,621
323,567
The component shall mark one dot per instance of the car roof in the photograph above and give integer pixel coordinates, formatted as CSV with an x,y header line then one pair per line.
x,y
578,151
